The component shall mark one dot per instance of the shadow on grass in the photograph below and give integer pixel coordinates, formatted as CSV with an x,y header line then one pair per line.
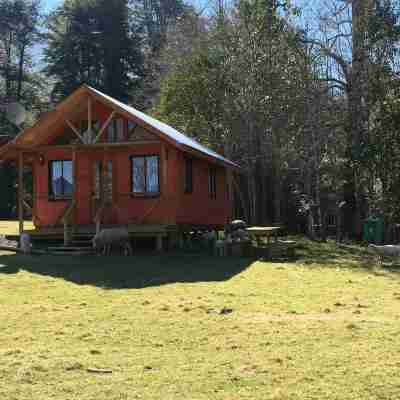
x,y
343,255
129,272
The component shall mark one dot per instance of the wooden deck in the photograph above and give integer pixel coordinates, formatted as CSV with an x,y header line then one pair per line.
x,y
81,235
143,230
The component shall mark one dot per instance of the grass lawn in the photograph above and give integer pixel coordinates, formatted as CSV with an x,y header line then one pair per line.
x,y
195,327
12,227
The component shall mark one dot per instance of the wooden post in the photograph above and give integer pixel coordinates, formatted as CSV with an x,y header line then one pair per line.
x,y
159,240
104,178
21,192
74,184
66,234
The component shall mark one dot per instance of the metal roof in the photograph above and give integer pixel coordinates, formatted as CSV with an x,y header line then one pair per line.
x,y
167,130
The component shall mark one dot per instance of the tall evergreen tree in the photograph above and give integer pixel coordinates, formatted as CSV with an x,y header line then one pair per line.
x,y
93,42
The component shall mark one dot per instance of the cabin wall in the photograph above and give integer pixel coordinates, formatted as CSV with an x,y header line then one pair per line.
x,y
198,207
173,206
137,209
126,208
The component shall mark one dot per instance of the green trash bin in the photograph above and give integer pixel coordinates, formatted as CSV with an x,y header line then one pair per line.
x,y
374,230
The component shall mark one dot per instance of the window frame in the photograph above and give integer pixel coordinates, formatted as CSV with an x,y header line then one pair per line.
x,y
146,193
51,194
212,182
188,183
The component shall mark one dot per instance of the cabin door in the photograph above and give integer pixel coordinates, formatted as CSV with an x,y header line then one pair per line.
x,y
102,186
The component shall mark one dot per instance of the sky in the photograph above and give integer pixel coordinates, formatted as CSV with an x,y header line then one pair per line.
x,y
51,4
309,8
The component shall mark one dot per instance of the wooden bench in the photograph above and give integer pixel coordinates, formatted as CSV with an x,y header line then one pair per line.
x,y
276,250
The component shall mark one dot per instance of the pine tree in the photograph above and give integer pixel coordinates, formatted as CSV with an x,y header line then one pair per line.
x,y
93,42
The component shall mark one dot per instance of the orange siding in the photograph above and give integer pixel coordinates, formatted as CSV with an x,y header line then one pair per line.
x,y
198,207
171,207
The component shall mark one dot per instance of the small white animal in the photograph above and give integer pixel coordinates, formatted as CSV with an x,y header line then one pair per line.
x,y
25,243
106,238
388,250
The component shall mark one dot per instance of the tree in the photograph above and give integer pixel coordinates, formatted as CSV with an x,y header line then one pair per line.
x,y
158,16
94,42
242,90
19,31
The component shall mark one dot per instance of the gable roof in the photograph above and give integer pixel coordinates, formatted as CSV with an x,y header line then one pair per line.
x,y
163,130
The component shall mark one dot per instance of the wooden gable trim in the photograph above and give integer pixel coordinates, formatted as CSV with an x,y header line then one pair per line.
x,y
138,121
160,134
69,123
105,126
58,115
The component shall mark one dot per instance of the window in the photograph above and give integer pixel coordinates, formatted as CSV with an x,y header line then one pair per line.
x,y
212,183
188,175
131,128
115,131
145,175
61,180
89,136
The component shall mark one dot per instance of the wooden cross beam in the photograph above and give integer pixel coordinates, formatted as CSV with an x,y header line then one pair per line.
x,y
81,138
104,127
27,206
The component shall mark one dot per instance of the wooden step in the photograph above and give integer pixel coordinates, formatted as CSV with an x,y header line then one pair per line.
x,y
67,248
81,243
70,251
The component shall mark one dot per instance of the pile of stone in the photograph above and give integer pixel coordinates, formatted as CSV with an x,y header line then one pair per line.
x,y
235,232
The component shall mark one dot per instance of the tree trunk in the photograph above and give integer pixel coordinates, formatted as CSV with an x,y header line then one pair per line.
x,y
358,106
21,64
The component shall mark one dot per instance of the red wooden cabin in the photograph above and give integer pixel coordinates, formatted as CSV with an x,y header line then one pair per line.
x,y
96,161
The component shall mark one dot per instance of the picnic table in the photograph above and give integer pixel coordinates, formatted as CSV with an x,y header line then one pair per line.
x,y
278,249
260,232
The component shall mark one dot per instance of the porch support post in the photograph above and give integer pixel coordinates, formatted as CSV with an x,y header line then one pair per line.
x,y
66,236
21,192
159,243
70,212
74,182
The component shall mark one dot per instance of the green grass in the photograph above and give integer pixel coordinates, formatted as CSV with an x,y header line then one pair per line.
x,y
326,326
11,227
